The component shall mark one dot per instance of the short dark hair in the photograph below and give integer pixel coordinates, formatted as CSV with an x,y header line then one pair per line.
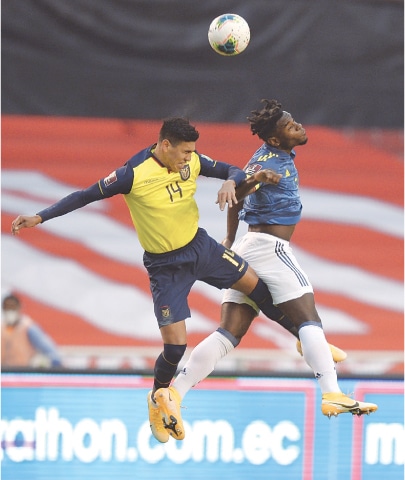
x,y
263,123
12,297
178,129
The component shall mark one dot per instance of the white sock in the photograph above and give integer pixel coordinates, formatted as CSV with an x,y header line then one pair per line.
x,y
318,356
202,361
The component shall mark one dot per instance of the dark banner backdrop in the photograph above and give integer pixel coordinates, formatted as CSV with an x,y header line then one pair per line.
x,y
332,63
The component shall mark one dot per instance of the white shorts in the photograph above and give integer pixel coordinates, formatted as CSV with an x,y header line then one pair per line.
x,y
273,261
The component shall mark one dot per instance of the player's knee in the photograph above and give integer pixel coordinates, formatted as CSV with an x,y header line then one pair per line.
x,y
236,318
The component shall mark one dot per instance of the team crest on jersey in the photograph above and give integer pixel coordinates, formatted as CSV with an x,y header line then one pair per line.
x,y
110,179
251,169
185,172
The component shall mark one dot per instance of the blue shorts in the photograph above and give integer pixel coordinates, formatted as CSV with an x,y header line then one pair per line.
x,y
173,274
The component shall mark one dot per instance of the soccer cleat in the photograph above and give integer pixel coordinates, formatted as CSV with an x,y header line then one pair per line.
x,y
155,420
337,354
168,400
337,403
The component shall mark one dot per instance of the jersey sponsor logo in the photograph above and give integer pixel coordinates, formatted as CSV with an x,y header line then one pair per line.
x,y
251,169
185,172
151,180
112,178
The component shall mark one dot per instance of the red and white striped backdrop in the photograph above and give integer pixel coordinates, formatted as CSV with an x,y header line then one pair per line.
x,y
81,276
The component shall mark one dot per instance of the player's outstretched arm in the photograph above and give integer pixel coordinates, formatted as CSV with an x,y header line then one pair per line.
x,y
71,202
262,176
24,221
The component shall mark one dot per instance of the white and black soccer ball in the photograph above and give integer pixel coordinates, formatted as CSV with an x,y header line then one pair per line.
x,y
229,34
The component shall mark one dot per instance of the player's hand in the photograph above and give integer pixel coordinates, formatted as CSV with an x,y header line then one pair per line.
x,y
268,176
227,195
24,221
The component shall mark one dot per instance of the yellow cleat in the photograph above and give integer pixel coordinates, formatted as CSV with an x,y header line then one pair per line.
x,y
333,404
169,402
155,420
337,354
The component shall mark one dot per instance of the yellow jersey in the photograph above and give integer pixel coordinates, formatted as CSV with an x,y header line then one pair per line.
x,y
161,202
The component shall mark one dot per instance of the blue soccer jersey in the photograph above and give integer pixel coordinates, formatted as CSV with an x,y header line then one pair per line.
x,y
273,204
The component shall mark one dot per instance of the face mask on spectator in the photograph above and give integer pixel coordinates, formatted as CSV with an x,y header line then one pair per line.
x,y
11,317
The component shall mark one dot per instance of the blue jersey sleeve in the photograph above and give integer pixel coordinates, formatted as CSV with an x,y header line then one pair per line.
x,y
222,170
118,182
42,343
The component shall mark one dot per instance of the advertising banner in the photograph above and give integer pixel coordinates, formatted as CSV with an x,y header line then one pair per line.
x,y
96,427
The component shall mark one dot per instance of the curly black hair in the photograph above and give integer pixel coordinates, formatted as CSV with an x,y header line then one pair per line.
x,y
177,130
263,123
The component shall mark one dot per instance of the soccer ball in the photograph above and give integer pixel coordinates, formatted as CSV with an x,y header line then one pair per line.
x,y
229,34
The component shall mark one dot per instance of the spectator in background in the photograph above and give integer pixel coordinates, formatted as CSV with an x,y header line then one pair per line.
x,y
22,341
